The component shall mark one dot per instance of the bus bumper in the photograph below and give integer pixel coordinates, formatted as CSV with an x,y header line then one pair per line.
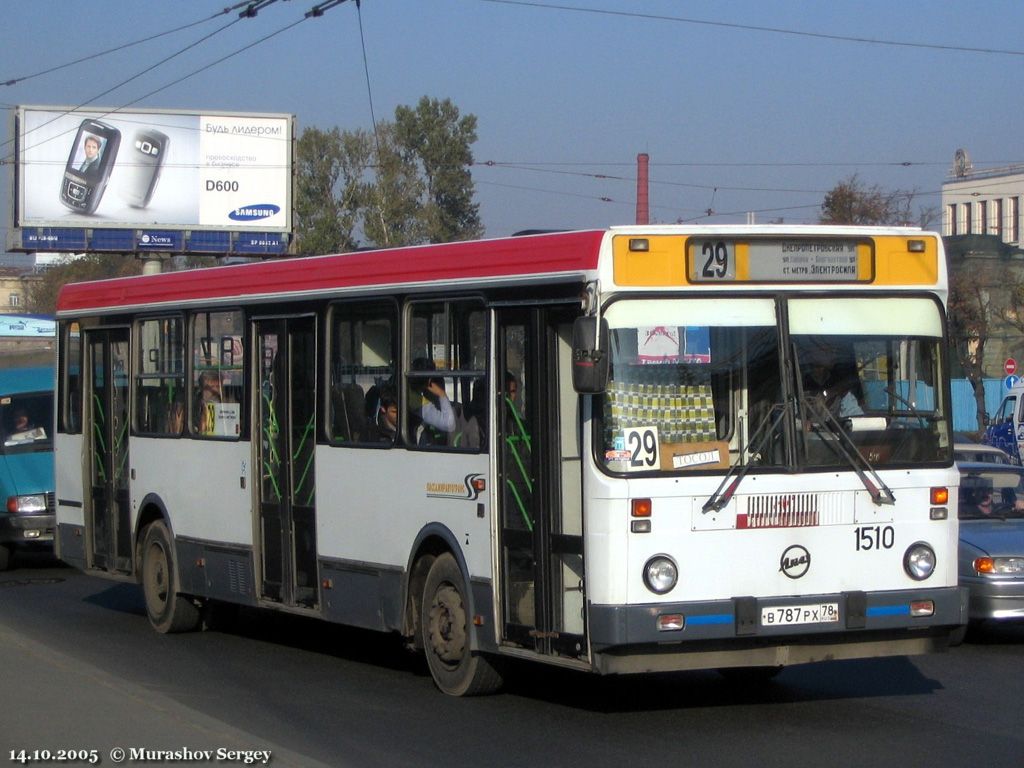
x,y
739,632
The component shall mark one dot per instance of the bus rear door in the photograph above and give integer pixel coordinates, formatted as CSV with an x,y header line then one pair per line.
x,y
539,474
108,515
285,442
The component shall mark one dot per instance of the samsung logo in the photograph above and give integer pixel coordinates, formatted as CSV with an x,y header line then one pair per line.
x,y
254,212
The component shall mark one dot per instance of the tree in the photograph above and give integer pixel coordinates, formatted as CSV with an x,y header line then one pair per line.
x,y
42,295
394,214
438,140
971,312
406,183
329,189
851,202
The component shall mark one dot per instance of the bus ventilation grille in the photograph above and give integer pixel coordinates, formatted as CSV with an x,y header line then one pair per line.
x,y
238,577
788,510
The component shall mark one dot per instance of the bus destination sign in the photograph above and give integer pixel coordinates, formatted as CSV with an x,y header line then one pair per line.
x,y
778,261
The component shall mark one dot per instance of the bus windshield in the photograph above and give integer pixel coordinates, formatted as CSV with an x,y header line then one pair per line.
x,y
26,422
710,383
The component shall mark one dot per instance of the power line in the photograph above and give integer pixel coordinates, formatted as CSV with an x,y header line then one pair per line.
x,y
177,80
373,121
718,164
756,28
137,75
632,179
124,46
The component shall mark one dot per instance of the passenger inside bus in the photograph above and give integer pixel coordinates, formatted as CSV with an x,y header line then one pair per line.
x,y
209,419
23,428
832,381
433,417
383,428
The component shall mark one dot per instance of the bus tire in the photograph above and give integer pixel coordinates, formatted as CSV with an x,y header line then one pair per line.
x,y
444,625
167,610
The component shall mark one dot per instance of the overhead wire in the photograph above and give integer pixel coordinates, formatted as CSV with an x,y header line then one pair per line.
x,y
553,7
174,82
373,121
123,46
761,28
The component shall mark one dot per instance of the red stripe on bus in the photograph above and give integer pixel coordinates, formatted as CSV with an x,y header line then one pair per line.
x,y
568,252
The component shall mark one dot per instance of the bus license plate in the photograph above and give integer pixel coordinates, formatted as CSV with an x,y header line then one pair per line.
x,y
787,615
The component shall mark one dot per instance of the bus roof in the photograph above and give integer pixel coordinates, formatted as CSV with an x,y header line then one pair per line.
x,y
536,259
556,257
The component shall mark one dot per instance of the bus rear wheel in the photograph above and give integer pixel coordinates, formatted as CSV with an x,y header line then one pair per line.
x,y
167,610
444,624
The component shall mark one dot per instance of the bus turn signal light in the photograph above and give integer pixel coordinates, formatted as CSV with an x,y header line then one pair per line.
x,y
940,495
641,508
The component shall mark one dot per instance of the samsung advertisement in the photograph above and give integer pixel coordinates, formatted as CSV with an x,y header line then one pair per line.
x,y
152,170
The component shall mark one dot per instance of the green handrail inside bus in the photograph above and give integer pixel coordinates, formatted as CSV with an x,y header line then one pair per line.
x,y
513,441
270,458
309,460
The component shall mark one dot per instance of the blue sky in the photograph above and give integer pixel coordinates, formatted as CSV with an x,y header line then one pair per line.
x,y
734,118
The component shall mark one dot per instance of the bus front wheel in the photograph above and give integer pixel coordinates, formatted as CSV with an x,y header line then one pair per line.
x,y
444,624
167,610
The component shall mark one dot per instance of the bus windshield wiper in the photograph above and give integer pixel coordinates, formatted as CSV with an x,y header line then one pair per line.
x,y
723,495
880,493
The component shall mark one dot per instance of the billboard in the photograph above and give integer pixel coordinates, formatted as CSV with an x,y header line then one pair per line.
x,y
158,180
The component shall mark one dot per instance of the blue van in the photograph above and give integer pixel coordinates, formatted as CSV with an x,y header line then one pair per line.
x,y
1005,429
27,499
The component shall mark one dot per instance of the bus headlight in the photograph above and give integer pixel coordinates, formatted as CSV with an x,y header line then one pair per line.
x,y
660,574
919,561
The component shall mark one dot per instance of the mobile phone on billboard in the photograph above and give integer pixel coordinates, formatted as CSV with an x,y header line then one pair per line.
x,y
140,170
89,165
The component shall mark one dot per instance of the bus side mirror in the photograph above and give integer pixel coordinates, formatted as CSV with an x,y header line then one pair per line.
x,y
589,355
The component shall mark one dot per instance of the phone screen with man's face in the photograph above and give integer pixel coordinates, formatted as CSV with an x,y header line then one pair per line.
x,y
90,162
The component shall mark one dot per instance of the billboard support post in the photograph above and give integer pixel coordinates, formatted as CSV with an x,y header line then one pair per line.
x,y
152,263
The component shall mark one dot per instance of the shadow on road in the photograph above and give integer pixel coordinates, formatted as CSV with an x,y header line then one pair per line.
x,y
835,680
701,689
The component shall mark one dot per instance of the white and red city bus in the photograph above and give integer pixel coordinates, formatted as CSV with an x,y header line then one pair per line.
x,y
629,450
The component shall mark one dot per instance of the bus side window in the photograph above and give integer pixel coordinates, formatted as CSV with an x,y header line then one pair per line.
x,y
361,350
217,374
348,405
160,378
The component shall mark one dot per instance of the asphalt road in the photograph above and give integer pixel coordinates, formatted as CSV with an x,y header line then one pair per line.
x,y
81,669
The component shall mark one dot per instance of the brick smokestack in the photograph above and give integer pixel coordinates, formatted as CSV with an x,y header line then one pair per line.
x,y
643,208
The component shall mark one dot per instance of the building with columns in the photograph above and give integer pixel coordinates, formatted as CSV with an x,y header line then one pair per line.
x,y
983,202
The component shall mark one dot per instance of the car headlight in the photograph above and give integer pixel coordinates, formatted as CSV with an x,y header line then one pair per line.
x,y
1007,566
919,561
660,574
33,503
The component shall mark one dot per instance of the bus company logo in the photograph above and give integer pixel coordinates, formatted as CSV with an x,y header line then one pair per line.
x,y
795,561
254,212
469,489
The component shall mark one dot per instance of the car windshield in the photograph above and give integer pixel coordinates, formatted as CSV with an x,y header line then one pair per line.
x,y
996,493
716,383
26,421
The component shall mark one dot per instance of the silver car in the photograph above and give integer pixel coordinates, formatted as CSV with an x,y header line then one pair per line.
x,y
991,514
970,452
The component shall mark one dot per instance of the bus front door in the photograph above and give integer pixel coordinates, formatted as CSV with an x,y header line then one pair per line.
x,y
539,473
285,442
108,517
